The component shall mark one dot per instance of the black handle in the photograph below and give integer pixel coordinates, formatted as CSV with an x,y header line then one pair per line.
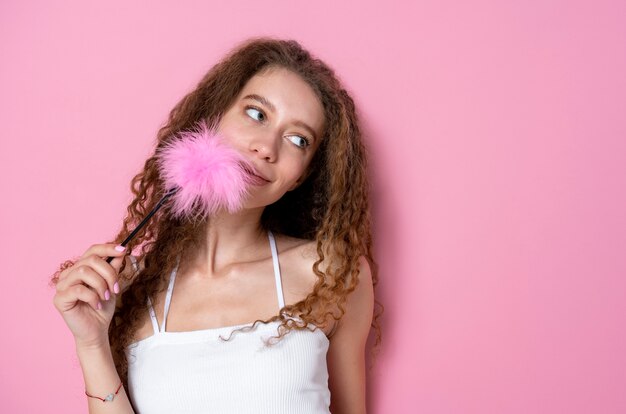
x,y
145,220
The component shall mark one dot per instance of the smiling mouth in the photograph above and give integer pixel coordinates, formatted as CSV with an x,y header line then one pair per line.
x,y
257,179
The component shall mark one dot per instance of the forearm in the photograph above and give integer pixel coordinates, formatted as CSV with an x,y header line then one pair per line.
x,y
101,379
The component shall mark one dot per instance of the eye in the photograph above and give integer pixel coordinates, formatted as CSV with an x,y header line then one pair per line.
x,y
254,113
300,141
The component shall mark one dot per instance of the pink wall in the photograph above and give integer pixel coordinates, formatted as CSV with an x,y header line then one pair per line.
x,y
497,135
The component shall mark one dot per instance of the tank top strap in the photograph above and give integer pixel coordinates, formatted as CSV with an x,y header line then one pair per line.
x,y
155,324
133,259
168,300
279,285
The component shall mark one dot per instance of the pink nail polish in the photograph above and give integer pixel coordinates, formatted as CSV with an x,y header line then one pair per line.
x,y
120,248
116,288
99,306
107,295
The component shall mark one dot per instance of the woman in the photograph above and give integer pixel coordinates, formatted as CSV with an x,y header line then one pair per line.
x,y
206,317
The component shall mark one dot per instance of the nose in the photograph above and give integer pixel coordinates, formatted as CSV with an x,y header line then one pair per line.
x,y
265,146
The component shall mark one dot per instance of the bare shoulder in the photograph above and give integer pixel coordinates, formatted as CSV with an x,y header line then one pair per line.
x,y
297,257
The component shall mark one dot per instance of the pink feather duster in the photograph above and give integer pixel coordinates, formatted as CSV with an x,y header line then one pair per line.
x,y
206,173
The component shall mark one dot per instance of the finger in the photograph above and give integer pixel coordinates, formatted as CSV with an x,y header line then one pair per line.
x,y
109,271
68,299
105,250
67,270
100,250
87,276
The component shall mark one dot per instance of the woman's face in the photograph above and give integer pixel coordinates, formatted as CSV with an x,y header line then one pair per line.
x,y
276,122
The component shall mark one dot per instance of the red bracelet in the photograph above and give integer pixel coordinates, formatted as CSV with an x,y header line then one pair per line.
x,y
108,397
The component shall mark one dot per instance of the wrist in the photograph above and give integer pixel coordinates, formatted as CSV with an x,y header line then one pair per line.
x,y
107,398
92,346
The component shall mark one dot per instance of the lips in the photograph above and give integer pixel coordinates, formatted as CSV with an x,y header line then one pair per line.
x,y
257,178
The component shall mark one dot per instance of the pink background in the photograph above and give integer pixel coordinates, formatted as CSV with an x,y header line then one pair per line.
x,y
497,137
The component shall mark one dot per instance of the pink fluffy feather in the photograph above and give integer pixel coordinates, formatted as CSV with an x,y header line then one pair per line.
x,y
210,175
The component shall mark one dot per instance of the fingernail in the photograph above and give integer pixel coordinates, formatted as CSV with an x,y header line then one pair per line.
x,y
107,295
116,288
99,306
120,248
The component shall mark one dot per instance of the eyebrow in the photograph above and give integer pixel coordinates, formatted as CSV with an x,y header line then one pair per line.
x,y
272,108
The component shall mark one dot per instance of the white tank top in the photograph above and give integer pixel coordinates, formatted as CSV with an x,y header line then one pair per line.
x,y
197,372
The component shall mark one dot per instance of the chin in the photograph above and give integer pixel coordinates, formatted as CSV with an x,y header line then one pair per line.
x,y
260,202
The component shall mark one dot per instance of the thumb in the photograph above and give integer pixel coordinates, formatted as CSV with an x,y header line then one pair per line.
x,y
117,262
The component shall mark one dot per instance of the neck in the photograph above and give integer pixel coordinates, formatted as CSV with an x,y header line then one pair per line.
x,y
231,238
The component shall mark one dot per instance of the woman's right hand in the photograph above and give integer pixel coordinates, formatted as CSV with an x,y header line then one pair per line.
x,y
82,292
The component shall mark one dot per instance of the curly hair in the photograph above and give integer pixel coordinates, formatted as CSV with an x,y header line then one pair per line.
x,y
331,206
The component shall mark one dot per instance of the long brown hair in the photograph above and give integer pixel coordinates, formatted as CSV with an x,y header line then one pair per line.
x,y
331,206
